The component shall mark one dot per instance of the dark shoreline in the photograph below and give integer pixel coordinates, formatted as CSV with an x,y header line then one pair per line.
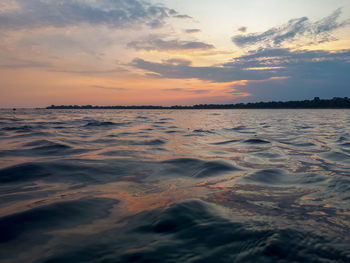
x,y
316,103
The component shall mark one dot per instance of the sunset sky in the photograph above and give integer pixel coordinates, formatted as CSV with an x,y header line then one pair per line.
x,y
135,52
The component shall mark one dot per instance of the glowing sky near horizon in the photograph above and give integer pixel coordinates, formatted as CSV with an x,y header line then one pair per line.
x,y
147,52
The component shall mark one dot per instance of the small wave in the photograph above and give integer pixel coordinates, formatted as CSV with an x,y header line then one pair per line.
x,y
105,123
61,171
54,216
347,144
304,127
121,153
198,168
224,142
43,143
173,131
191,229
256,141
142,117
241,129
22,172
339,185
304,144
337,157
150,142
42,147
160,122
203,131
24,128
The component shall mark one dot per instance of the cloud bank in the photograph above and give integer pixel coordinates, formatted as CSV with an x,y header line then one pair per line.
x,y
112,13
270,73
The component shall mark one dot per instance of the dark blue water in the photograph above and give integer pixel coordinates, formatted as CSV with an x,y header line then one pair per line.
x,y
175,186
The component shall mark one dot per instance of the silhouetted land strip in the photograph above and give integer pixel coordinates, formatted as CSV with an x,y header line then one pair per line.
x,y
316,103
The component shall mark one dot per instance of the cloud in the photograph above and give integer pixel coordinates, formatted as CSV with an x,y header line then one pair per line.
x,y
64,13
242,29
191,31
185,71
154,42
183,16
299,30
270,73
195,91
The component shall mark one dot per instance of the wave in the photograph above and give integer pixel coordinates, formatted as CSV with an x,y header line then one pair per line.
x,y
194,231
58,215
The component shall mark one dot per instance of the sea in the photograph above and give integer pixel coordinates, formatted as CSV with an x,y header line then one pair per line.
x,y
174,186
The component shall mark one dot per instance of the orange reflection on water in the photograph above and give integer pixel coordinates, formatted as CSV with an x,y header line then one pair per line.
x,y
138,201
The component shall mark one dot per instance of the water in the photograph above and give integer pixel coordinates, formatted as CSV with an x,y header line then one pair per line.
x,y
175,186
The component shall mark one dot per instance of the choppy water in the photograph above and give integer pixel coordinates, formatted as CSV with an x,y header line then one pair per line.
x,y
175,186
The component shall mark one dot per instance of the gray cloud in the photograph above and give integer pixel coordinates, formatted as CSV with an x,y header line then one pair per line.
x,y
196,91
296,30
63,13
185,71
183,16
191,31
242,29
271,73
155,43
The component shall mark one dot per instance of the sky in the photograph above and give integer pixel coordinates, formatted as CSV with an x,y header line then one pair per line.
x,y
172,52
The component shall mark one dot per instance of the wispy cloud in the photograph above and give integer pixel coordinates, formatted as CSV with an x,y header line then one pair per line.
x,y
154,42
299,30
63,13
91,71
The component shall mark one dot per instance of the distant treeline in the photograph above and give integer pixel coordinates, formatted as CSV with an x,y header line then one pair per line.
x,y
316,103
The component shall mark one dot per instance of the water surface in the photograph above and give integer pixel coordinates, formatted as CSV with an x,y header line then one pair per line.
x,y
175,186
